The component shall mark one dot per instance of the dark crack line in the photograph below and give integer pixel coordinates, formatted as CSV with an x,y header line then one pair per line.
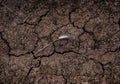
x,y
73,22
70,19
69,15
36,44
11,54
41,17
29,71
67,52
84,27
36,57
102,65
34,23
115,50
6,42
91,34
108,51
65,79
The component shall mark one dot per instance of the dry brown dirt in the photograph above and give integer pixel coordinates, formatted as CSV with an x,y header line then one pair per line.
x,y
90,56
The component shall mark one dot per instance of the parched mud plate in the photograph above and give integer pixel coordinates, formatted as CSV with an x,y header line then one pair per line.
x,y
59,41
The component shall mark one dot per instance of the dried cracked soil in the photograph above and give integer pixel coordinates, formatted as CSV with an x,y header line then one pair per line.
x,y
90,56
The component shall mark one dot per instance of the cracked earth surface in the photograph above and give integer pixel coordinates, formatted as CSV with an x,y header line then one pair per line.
x,y
90,56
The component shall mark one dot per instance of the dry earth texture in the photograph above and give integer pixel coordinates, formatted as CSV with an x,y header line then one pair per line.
x,y
90,56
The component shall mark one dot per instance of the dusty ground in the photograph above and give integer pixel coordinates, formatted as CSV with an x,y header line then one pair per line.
x,y
90,56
